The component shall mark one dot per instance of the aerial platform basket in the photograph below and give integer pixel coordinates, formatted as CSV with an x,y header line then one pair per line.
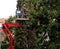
x,y
22,18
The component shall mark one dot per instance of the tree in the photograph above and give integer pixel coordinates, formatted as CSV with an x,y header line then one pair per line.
x,y
42,31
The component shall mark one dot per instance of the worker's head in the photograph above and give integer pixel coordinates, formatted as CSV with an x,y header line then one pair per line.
x,y
24,4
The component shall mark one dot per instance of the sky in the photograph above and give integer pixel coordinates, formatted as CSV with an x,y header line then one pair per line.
x,y
7,8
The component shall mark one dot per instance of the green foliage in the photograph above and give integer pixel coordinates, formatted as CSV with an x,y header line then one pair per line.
x,y
11,18
44,22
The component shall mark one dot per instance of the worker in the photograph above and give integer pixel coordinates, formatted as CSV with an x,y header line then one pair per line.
x,y
24,10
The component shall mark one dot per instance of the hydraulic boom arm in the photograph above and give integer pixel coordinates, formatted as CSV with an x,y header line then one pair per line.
x,y
9,34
